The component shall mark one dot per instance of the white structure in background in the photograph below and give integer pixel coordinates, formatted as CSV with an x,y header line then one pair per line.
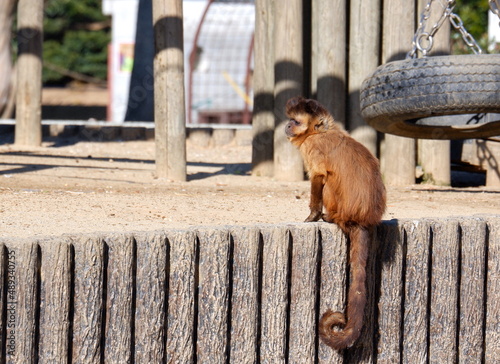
x,y
120,53
211,88
121,50
493,29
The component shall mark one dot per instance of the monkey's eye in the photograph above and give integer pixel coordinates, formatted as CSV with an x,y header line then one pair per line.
x,y
295,122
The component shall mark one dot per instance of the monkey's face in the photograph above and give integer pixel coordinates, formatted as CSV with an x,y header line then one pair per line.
x,y
307,117
297,126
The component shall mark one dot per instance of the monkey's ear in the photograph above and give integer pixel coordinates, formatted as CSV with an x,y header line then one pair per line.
x,y
319,125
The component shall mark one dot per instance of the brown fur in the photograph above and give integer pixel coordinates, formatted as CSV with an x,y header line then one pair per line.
x,y
346,189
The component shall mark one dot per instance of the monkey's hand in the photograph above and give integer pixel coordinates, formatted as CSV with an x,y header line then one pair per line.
x,y
313,216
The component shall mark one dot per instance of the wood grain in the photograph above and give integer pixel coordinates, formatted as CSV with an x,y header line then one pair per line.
x,y
492,332
288,82
151,301
275,303
4,277
390,302
263,87
304,275
29,73
23,302
88,299
333,281
213,297
170,111
120,299
181,297
444,291
416,293
55,292
245,303
472,295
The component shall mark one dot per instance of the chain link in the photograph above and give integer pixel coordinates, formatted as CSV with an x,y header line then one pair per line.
x,y
466,36
423,41
495,7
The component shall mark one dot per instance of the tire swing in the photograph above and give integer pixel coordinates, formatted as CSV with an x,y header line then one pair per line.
x,y
441,97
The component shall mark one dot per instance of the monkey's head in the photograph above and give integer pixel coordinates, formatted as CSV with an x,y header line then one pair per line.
x,y
307,117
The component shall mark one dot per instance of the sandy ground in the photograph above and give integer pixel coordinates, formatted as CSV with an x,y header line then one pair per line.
x,y
86,187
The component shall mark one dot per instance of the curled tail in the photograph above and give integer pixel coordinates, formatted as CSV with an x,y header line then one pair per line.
x,y
334,329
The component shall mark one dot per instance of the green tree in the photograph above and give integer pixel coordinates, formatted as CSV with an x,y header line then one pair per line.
x,y
76,37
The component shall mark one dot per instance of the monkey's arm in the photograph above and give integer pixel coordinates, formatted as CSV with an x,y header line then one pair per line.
x,y
316,203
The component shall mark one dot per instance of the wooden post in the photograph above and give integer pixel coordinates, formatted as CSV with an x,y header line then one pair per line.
x,y
288,65
398,165
263,80
170,111
6,15
434,155
331,36
364,52
29,73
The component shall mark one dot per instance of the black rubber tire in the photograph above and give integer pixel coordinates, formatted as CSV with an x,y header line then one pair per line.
x,y
435,97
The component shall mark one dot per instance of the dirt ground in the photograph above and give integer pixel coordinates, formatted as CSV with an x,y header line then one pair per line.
x,y
74,186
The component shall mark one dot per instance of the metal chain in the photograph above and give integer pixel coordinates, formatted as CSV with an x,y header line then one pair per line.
x,y
423,41
495,7
466,36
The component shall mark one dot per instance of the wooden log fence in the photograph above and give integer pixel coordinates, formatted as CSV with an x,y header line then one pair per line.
x,y
251,294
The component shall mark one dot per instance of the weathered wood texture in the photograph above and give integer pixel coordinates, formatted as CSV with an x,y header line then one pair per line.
x,y
333,280
120,299
170,112
364,54
29,73
252,295
416,292
88,307
398,155
434,155
247,255
492,327
181,330
151,298
263,90
288,75
331,55
4,277
55,300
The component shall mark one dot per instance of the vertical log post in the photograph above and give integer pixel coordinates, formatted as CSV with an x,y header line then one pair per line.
x,y
399,153
274,296
170,112
444,291
151,300
263,80
331,56
434,155
288,65
6,15
304,275
364,52
245,294
182,288
55,297
89,306
416,292
492,334
4,277
29,73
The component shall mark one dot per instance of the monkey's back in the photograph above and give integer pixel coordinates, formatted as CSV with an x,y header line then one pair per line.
x,y
353,190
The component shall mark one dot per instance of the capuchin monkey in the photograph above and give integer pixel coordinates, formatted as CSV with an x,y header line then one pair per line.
x,y
346,189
